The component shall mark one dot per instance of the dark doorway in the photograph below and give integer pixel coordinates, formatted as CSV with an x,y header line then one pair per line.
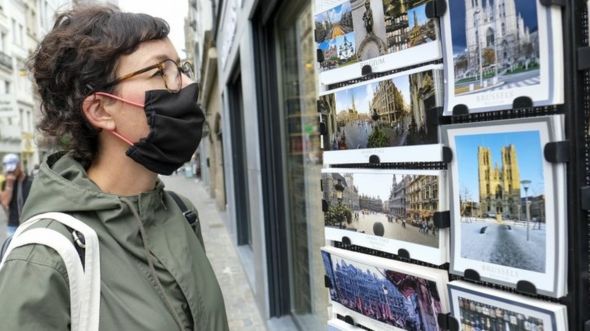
x,y
240,165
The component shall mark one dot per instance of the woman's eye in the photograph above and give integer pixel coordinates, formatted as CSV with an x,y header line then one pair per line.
x,y
158,72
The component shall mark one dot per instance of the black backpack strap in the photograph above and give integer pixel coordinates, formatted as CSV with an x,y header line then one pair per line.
x,y
191,216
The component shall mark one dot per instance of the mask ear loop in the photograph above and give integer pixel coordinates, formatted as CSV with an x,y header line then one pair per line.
x,y
115,133
120,99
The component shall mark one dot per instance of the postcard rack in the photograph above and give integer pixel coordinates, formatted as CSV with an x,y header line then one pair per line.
x,y
573,152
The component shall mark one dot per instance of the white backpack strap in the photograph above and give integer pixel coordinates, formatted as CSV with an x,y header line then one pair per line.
x,y
88,296
63,246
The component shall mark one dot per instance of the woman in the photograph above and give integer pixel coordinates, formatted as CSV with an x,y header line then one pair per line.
x,y
115,94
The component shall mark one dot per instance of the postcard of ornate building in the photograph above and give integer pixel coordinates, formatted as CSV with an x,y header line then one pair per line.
x,y
482,308
498,51
507,202
385,35
387,210
397,110
383,294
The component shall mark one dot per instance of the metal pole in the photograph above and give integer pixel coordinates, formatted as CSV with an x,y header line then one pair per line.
x,y
528,215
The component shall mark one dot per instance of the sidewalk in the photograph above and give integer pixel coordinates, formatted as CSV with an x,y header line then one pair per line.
x,y
242,311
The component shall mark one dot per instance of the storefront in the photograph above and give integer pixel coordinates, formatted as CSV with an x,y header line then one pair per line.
x,y
272,156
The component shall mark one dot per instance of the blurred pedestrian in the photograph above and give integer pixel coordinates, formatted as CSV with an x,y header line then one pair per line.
x,y
113,84
14,190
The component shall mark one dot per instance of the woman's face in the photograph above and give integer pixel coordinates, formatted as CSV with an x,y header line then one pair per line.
x,y
130,120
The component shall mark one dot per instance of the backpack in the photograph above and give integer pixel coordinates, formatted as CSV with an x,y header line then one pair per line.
x,y
83,268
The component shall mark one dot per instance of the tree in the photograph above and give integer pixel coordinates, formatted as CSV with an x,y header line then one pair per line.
x,y
377,139
489,57
338,214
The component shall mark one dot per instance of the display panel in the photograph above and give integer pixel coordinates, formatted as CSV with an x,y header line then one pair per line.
x,y
481,308
387,210
498,51
383,294
508,202
385,35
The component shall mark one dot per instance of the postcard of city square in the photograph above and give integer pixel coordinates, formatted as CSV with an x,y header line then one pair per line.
x,y
404,301
502,199
495,45
396,111
400,206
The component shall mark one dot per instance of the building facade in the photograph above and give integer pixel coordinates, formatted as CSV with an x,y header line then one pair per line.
x,y
499,185
498,27
23,23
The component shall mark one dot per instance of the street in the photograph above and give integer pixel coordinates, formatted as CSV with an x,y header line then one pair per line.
x,y
395,230
504,244
505,82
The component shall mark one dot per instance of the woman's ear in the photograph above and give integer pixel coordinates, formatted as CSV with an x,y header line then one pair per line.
x,y
93,108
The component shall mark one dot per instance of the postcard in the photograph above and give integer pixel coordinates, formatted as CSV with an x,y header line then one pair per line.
x,y
387,210
381,294
499,51
481,308
384,35
508,202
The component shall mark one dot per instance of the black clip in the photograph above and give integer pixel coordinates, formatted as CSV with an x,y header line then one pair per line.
x,y
522,102
378,229
320,55
585,197
346,241
327,281
460,110
583,58
526,287
403,253
321,185
436,8
447,154
447,322
374,159
548,3
348,319
557,152
366,70
442,219
324,205
471,275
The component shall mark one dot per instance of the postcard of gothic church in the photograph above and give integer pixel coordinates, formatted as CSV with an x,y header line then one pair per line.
x,y
387,210
482,308
384,34
397,110
384,294
508,203
497,51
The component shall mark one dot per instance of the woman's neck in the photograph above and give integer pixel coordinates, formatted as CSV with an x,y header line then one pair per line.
x,y
116,173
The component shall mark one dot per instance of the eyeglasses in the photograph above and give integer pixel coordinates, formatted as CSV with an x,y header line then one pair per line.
x,y
170,71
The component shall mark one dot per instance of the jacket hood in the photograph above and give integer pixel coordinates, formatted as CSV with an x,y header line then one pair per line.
x,y
62,185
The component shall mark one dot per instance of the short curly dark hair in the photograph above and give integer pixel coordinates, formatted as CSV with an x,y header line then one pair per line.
x,y
77,57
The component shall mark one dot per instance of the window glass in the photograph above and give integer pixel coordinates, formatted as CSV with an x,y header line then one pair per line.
x,y
303,167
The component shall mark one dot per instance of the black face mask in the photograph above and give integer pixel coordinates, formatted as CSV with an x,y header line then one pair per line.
x,y
176,125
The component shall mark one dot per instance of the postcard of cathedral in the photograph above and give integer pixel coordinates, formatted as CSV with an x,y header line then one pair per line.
x,y
397,110
384,294
481,308
497,51
384,34
508,203
387,210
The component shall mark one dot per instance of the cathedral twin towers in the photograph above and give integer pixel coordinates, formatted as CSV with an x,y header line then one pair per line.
x,y
499,186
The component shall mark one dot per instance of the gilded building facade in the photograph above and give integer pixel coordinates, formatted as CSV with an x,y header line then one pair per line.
x,y
499,186
422,197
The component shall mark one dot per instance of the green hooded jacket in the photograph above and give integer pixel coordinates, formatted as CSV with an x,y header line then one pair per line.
x,y
34,293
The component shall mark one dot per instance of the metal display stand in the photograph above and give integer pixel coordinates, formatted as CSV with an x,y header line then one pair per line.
x,y
575,152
